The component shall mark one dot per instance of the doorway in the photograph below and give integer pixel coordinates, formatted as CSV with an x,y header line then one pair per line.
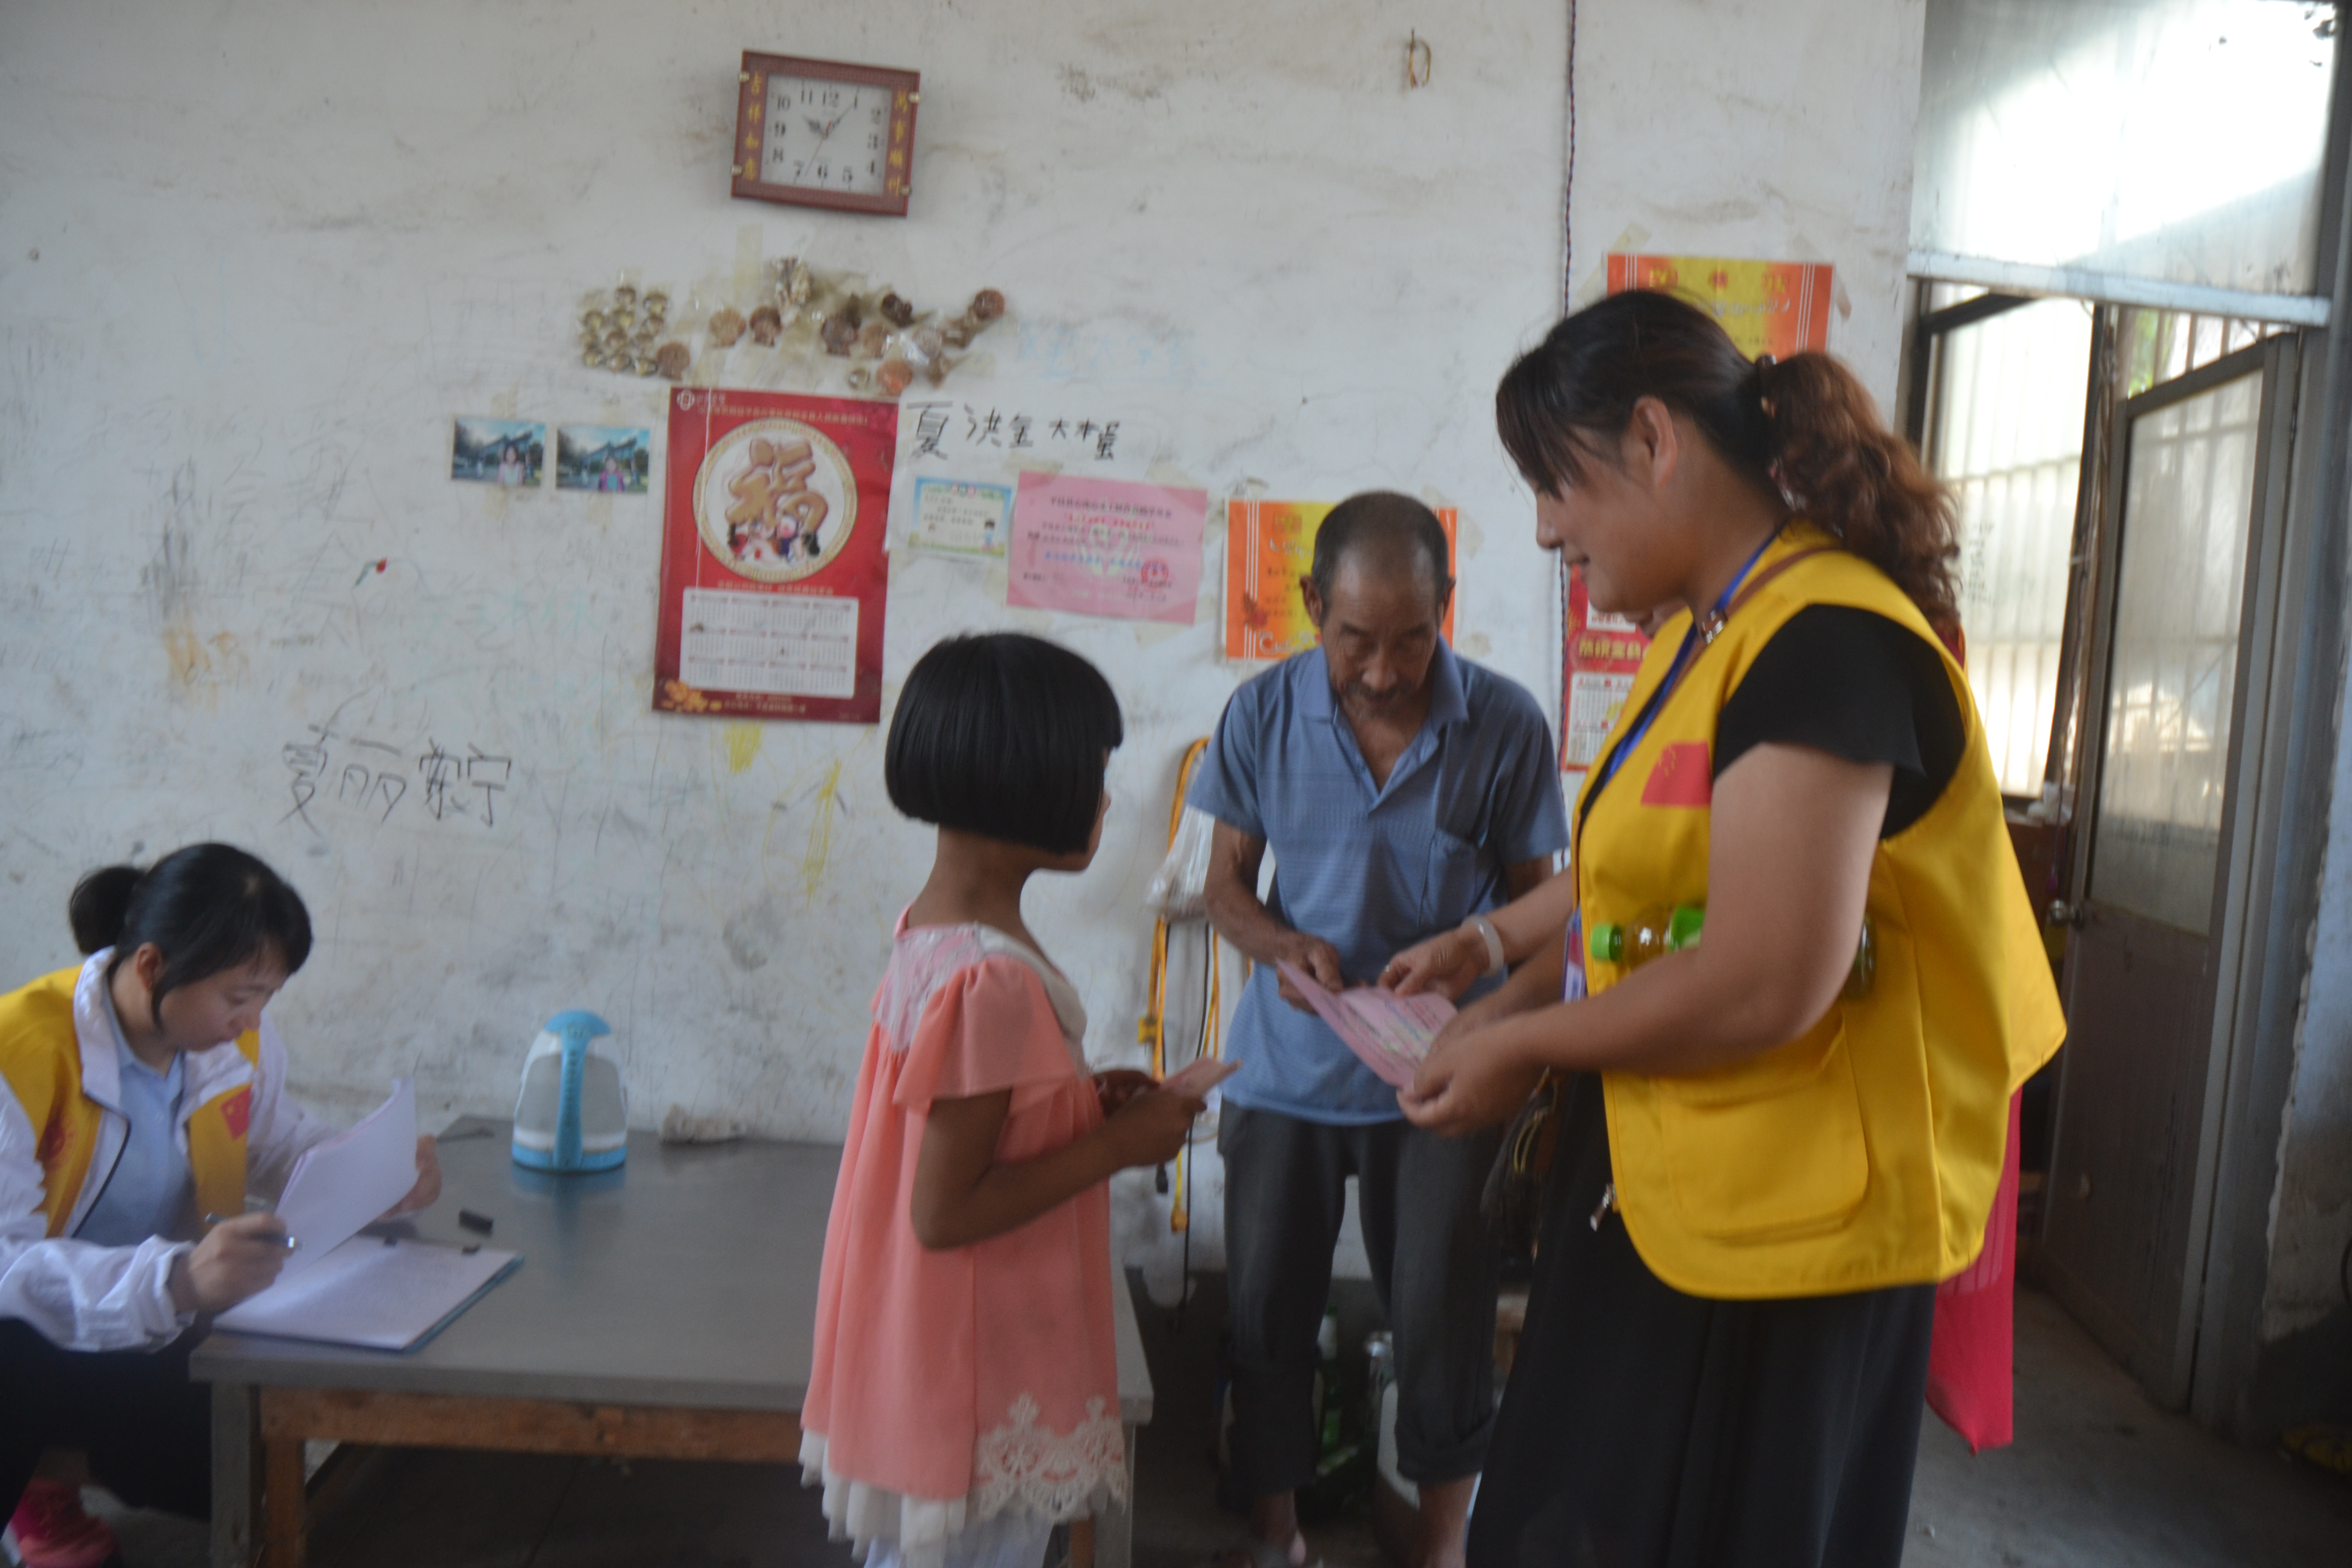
x,y
2123,479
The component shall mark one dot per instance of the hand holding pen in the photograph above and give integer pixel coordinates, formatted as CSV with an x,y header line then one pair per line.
x,y
239,1256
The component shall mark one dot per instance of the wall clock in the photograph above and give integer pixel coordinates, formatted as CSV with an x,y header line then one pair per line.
x,y
821,133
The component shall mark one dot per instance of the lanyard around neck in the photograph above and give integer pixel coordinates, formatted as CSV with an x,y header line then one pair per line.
x,y
1701,632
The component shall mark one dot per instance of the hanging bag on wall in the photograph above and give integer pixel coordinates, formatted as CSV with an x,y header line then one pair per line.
x,y
1179,889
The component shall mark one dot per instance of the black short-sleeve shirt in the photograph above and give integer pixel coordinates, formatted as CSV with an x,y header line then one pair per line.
x,y
1857,686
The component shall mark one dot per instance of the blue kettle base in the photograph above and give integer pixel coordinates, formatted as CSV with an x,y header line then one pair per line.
x,y
545,1160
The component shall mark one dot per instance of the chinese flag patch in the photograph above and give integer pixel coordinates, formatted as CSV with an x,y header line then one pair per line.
x,y
1684,777
237,1111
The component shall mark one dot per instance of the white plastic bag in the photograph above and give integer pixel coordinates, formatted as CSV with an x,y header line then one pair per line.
x,y
1179,890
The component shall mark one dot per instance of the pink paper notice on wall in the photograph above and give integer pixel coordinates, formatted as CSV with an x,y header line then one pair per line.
x,y
1104,547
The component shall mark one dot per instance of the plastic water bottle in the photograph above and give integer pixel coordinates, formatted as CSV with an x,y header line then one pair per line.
x,y
1657,931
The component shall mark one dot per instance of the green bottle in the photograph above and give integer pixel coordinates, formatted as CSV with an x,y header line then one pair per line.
x,y
1652,933
1658,931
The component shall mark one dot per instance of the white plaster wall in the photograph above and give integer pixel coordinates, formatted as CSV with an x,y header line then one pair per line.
x,y
253,259
1748,128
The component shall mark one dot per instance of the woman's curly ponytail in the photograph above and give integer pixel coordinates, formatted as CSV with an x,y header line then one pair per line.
x,y
1848,473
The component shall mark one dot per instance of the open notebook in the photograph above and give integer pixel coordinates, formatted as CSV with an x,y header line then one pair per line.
x,y
373,1292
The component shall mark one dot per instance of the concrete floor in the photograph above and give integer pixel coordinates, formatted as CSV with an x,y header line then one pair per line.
x,y
2097,1479
2099,1476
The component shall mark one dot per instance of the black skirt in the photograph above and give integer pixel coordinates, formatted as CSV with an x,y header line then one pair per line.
x,y
1645,1428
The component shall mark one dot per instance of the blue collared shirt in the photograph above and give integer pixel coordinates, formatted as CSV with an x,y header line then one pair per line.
x,y
1370,869
147,1191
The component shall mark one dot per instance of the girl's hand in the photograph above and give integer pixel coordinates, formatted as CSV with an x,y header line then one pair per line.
x,y
1116,1086
1448,964
1470,1081
1150,1129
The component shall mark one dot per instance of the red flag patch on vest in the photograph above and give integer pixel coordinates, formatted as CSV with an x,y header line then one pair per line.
x,y
1685,775
53,1143
237,1111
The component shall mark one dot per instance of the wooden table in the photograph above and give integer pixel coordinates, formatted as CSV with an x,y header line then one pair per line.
x,y
664,1311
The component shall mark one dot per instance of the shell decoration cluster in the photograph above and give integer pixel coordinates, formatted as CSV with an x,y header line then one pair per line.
x,y
808,314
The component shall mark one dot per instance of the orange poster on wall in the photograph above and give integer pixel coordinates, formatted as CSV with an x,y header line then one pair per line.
x,y
1778,308
1269,545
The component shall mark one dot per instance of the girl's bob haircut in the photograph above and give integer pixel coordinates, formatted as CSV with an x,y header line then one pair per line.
x,y
1006,736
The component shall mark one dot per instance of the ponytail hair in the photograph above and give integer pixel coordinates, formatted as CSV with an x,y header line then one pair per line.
x,y
1802,430
205,908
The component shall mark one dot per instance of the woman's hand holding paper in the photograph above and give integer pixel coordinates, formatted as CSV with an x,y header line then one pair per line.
x,y
427,1190
1447,963
1471,1080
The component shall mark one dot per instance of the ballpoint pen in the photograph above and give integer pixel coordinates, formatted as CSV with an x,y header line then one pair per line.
x,y
212,1219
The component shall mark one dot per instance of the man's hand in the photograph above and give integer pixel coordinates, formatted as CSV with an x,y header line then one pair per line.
x,y
1319,958
239,1258
427,1190
1238,916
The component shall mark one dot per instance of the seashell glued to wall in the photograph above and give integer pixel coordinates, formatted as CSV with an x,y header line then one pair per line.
x,y
767,326
672,358
726,326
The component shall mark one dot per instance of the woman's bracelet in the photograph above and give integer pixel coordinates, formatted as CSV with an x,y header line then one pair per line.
x,y
1496,960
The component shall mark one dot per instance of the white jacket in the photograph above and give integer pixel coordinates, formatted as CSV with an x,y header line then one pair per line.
x,y
84,1296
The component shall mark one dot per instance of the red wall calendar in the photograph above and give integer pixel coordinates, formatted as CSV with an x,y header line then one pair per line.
x,y
1601,656
774,566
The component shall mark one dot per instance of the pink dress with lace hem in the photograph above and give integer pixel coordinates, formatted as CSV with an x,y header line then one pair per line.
x,y
951,1386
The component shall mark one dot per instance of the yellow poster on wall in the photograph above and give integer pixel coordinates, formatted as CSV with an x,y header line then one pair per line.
x,y
1269,545
1778,308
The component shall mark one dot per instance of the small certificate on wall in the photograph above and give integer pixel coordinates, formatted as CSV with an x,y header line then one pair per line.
x,y
1104,547
962,517
774,567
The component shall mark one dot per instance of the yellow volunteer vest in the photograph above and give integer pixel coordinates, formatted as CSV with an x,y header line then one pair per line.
x,y
1865,1152
40,1059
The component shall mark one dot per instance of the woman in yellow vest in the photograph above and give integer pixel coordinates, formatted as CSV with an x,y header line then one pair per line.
x,y
139,1093
1771,1143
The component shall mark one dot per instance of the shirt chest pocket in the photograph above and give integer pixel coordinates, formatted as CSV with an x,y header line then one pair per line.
x,y
1455,878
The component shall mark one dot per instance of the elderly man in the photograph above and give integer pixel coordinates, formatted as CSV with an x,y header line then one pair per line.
x,y
1402,790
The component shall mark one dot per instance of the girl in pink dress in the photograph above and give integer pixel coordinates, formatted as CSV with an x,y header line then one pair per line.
x,y
964,1397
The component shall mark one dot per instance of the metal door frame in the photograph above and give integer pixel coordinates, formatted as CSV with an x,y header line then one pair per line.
x,y
2275,360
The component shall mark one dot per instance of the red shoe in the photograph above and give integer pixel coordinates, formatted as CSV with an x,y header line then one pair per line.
x,y
52,1531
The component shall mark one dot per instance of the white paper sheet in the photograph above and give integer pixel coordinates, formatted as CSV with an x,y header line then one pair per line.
x,y
364,1292
1390,1034
350,1180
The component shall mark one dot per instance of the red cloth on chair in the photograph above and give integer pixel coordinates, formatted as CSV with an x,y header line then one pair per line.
x,y
1969,1360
